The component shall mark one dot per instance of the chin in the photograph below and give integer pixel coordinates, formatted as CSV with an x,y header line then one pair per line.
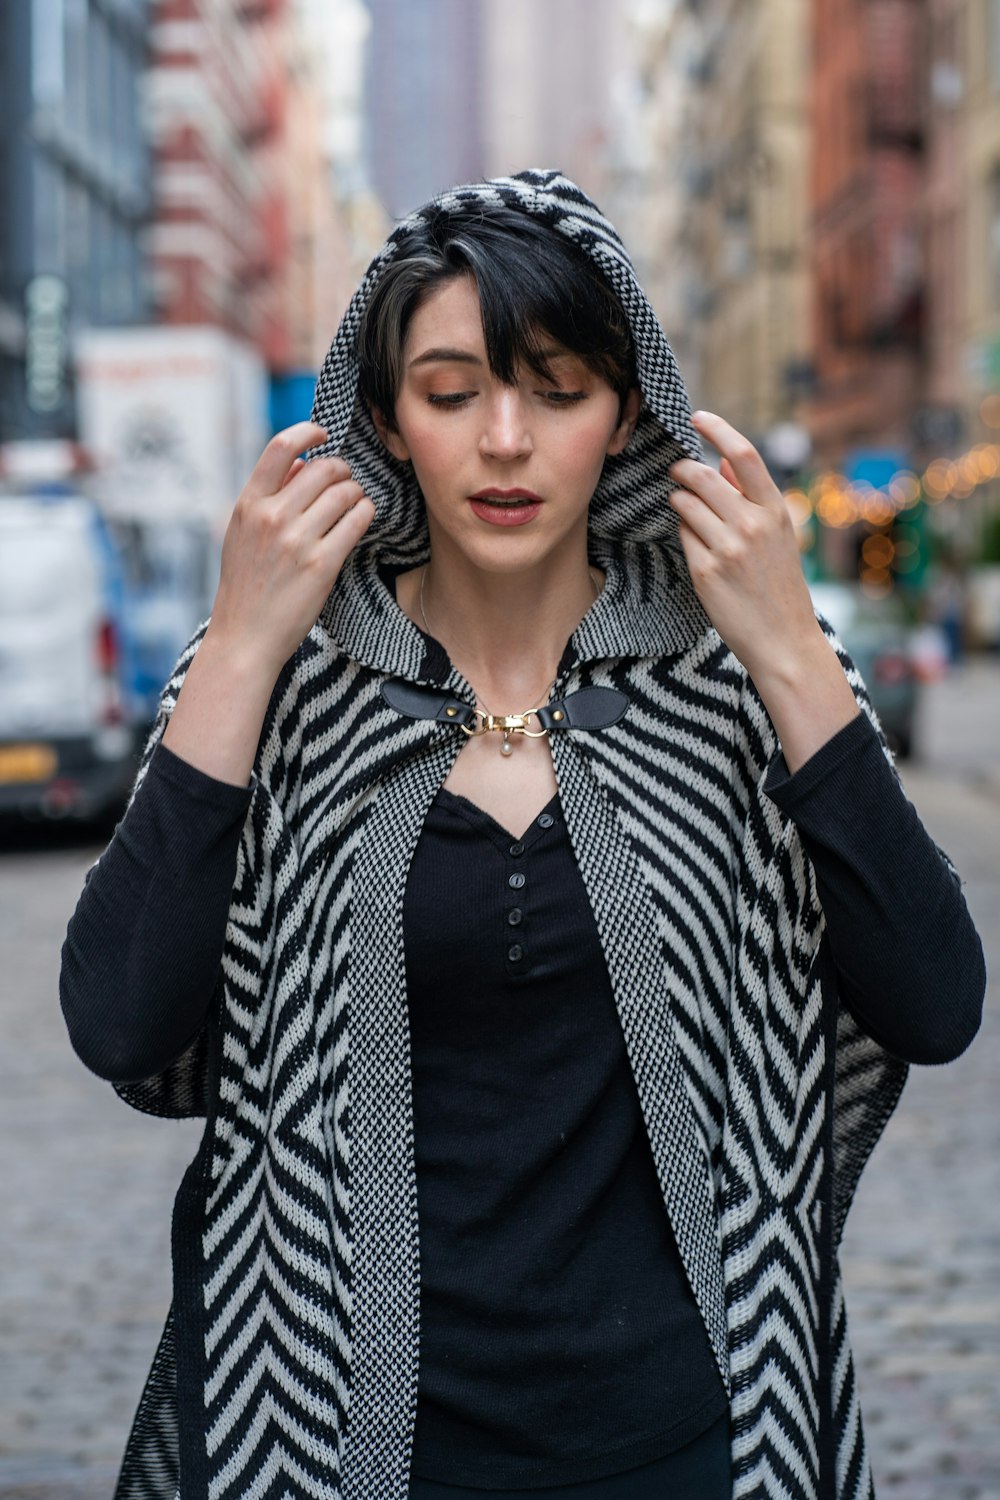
x,y
511,550
510,555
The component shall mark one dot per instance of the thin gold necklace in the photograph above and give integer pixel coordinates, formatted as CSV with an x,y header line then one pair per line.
x,y
504,724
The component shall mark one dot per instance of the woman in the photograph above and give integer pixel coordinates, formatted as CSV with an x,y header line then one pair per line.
x,y
549,983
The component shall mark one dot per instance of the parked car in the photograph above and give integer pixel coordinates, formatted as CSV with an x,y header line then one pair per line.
x,y
69,723
877,635
172,568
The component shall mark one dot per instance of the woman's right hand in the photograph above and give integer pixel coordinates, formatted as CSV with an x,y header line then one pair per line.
x,y
290,533
288,537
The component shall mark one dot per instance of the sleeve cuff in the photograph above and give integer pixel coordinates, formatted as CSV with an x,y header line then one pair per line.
x,y
855,741
222,796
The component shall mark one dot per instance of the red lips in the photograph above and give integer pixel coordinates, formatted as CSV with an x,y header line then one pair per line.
x,y
498,494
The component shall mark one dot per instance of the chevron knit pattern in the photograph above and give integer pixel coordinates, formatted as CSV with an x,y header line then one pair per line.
x,y
289,1364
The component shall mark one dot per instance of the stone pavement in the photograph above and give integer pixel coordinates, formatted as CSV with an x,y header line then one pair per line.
x,y
87,1187
87,1193
921,1256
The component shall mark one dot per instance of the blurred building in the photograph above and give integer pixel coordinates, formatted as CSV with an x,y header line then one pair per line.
x,y
318,278
548,76
218,96
249,106
976,43
456,90
74,180
866,205
647,191
940,422
422,98
336,39
712,183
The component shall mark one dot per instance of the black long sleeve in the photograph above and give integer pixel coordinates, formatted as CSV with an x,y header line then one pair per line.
x,y
143,948
909,960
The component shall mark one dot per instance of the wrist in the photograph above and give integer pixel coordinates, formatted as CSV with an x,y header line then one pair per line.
x,y
807,697
217,719
241,657
796,664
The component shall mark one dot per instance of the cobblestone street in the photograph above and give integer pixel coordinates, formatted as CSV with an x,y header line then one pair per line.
x,y
88,1186
922,1248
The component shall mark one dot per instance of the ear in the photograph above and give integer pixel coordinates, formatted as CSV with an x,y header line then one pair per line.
x,y
391,436
626,425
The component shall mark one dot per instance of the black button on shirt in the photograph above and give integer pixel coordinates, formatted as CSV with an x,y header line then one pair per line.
x,y
554,1308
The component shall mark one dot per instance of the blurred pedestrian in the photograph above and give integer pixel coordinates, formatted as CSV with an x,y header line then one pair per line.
x,y
947,604
517,881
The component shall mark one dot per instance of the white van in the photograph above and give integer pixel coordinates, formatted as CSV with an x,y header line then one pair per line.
x,y
69,728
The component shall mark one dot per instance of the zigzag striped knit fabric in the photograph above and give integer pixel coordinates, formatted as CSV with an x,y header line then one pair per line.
x,y
288,1367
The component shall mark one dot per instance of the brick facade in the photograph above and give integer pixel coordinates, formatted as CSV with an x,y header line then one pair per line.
x,y
866,186
220,238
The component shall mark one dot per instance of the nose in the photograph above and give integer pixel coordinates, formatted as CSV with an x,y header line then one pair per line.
x,y
506,433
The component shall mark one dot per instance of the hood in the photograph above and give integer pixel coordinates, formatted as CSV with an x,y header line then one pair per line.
x,y
633,532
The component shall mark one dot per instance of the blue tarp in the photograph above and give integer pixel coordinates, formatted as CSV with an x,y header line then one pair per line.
x,y
291,398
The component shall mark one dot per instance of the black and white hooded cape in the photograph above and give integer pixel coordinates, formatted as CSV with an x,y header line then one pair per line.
x,y
288,1366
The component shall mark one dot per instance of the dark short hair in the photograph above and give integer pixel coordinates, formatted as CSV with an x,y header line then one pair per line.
x,y
535,287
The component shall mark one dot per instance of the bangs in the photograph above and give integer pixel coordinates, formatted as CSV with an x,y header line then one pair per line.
x,y
536,289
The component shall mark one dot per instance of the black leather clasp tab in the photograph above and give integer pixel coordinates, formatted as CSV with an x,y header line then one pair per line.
x,y
590,708
417,702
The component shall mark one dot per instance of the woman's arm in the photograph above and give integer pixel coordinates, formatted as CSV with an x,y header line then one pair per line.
x,y
908,956
143,948
288,536
910,961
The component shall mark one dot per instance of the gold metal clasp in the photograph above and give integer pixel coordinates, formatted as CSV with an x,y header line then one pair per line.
x,y
479,727
533,734
505,724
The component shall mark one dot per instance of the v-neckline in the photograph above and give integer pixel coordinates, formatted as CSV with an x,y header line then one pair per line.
x,y
465,806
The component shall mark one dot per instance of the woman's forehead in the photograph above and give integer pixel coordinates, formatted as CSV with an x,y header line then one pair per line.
x,y
451,305
448,325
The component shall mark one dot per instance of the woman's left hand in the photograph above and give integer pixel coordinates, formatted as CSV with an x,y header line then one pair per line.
x,y
741,550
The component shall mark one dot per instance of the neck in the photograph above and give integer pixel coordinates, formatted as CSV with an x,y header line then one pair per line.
x,y
505,632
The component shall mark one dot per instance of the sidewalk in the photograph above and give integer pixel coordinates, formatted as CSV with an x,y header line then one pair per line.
x,y
921,1255
958,725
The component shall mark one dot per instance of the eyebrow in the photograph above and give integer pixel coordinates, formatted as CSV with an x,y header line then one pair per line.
x,y
445,356
465,357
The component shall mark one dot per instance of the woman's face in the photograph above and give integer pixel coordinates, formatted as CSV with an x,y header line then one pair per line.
x,y
507,472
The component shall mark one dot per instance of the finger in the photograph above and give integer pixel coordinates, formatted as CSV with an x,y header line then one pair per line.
x,y
281,452
714,488
696,554
316,476
750,471
328,507
297,466
693,512
728,472
344,535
